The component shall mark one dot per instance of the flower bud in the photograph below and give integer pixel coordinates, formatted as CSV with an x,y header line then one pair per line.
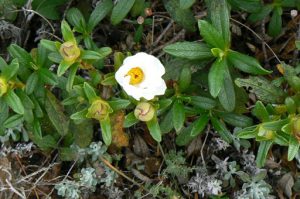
x,y
3,86
266,133
69,51
144,111
99,110
296,128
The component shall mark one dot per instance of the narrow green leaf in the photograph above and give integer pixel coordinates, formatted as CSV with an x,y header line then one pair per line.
x,y
275,25
184,137
185,78
203,102
119,104
199,125
211,35
56,114
76,19
71,77
189,50
106,131
183,17
221,129
89,92
219,15
14,102
80,115
227,92
138,8
10,70
293,148
166,124
248,132
47,76
154,129
101,10
130,120
63,67
246,63
67,33
178,115
31,83
93,55
13,121
262,152
261,112
120,11
23,56
216,77
236,120
50,45
261,14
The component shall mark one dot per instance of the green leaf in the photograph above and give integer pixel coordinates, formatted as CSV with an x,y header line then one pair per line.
x,y
11,70
185,4
261,14
93,55
89,92
106,131
45,143
63,67
248,132
138,8
119,104
66,32
236,120
100,11
290,105
47,76
246,63
227,94
262,152
293,148
219,14
154,129
83,133
23,56
56,114
130,120
275,25
178,115
185,78
183,17
216,76
14,102
166,124
262,88
297,43
189,50
199,125
221,129
80,115
31,83
55,57
184,137
13,121
48,9
76,19
275,125
50,45
211,35
120,11
71,77
261,112
247,5
203,102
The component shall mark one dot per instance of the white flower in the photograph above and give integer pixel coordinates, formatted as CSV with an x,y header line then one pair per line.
x,y
141,76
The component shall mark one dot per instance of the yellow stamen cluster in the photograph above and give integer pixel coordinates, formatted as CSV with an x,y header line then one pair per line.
x,y
136,75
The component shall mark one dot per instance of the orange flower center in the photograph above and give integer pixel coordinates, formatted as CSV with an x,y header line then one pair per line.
x,y
136,75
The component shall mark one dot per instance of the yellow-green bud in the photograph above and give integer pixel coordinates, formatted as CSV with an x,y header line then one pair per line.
x,y
296,128
99,110
144,111
266,133
3,86
69,51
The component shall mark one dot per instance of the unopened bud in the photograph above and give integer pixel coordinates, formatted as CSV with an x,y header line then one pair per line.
x,y
294,13
69,51
3,86
266,133
144,111
99,110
